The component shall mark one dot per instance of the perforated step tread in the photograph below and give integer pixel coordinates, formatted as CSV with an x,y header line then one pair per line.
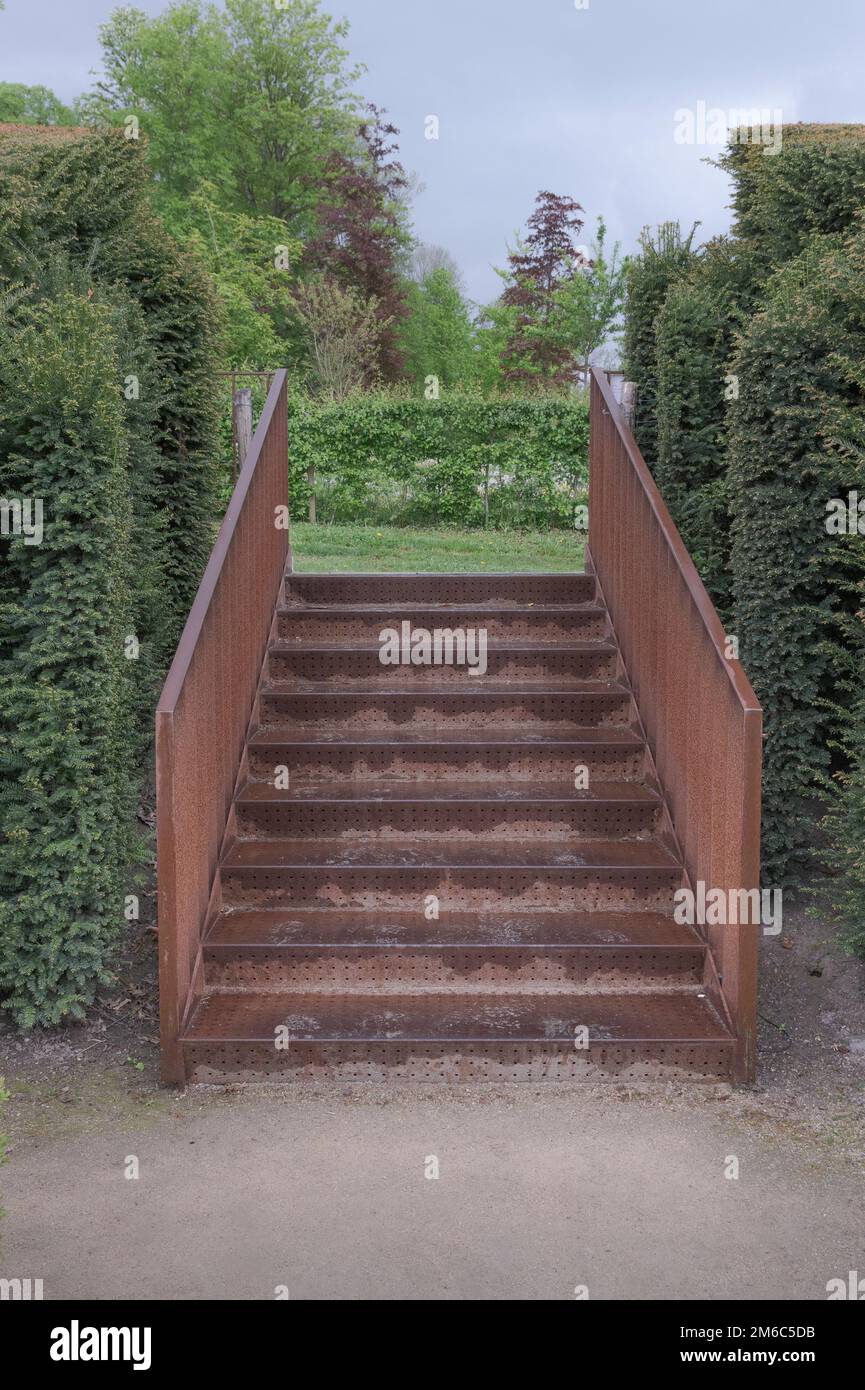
x,y
277,928
241,1017
502,736
284,647
487,610
618,855
465,793
477,688
423,589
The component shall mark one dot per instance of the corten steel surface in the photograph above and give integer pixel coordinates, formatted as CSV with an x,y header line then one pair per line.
x,y
408,785
702,719
203,713
301,908
407,591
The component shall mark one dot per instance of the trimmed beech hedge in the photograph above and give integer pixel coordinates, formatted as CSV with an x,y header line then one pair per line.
x,y
108,339
390,458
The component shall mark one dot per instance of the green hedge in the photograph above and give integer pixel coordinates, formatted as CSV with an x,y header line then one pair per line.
x,y
814,184
797,441
664,258
109,413
844,823
388,458
81,198
66,756
694,341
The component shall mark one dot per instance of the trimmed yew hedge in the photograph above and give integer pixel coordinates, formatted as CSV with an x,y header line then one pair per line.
x,y
664,258
66,755
814,184
797,441
695,334
108,414
774,316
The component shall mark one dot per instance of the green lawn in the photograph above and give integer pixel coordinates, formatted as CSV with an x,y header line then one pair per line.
x,y
365,548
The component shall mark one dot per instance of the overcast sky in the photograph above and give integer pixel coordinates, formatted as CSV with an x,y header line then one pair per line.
x,y
542,94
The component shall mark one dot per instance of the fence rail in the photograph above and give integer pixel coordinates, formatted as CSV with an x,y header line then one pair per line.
x,y
702,719
204,710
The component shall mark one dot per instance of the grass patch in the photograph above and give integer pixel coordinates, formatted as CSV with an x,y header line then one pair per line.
x,y
372,548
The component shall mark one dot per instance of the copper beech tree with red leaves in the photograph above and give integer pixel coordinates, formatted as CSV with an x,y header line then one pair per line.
x,y
361,233
537,270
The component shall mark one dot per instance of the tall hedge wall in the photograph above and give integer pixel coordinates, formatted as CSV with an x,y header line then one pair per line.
x,y
392,458
844,822
108,339
797,441
80,197
664,258
695,332
814,184
66,758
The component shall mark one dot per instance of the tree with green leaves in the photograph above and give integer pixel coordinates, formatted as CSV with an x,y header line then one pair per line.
x,y
253,262
254,98
587,305
22,105
362,236
342,330
438,336
538,268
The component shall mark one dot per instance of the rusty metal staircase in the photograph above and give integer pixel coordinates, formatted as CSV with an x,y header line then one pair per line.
x,y
419,873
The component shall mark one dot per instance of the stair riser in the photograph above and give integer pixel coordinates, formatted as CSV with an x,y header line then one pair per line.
x,y
516,762
442,1062
300,625
333,969
479,889
364,670
502,821
429,590
326,712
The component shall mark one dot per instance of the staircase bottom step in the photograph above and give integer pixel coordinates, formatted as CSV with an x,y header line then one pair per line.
x,y
448,1038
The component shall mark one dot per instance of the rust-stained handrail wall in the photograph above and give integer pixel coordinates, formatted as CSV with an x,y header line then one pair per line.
x,y
701,716
204,710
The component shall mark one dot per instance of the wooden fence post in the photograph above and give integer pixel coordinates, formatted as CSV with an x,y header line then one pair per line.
x,y
242,423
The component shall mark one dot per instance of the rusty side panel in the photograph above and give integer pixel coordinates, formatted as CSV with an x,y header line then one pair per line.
x,y
702,719
204,710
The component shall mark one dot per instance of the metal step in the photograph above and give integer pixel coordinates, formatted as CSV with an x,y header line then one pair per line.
x,y
454,1038
361,811
594,703
483,876
388,952
358,666
441,590
437,895
520,753
345,622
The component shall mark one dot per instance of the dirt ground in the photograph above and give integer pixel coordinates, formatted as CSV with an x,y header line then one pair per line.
x,y
326,1191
